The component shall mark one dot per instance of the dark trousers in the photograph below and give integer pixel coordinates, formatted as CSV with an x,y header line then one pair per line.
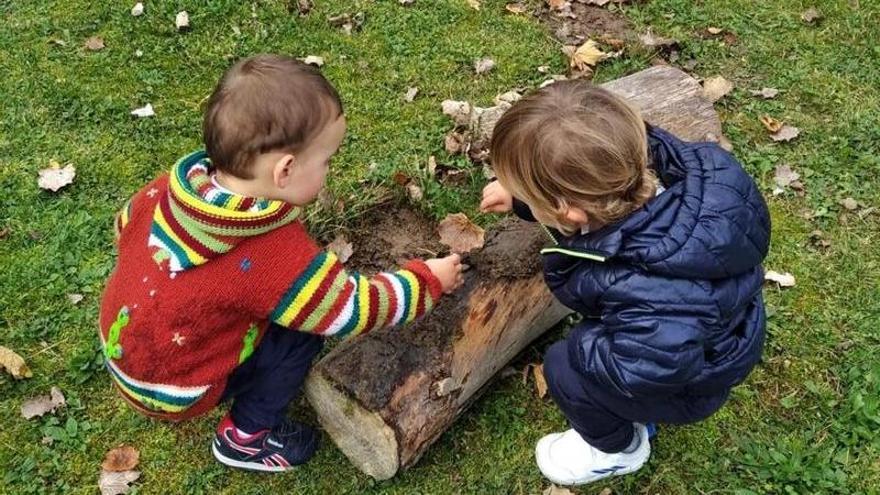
x,y
605,419
262,387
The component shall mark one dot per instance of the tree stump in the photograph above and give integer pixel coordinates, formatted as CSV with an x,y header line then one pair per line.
x,y
386,396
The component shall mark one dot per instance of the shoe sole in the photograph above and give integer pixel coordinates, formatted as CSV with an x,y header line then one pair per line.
x,y
591,478
250,466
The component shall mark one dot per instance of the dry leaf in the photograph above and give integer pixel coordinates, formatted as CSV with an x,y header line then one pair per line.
x,y
117,483
598,3
138,9
714,30
587,55
811,15
75,298
771,124
557,490
784,176
432,165
787,133
483,65
182,20
411,94
14,364
716,88
766,93
414,191
341,248
540,382
55,177
144,111
475,4
515,8
94,43
783,279
508,97
850,204
122,458
556,4
606,491
304,7
649,40
460,234
406,2
454,143
313,60
459,111
42,404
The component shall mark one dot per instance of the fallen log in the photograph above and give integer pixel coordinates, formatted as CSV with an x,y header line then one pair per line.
x,y
385,397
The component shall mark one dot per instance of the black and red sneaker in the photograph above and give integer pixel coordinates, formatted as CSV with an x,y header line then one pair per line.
x,y
289,444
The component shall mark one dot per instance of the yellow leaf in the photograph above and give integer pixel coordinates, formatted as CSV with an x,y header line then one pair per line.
x,y
771,124
588,55
540,381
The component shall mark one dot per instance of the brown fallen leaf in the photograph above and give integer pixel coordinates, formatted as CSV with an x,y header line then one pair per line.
x,y
556,4
812,15
122,458
406,2
411,94
818,239
766,93
117,483
515,8
55,177
460,234
598,3
95,43
771,124
850,204
587,56
341,248
42,404
14,364
304,7
475,4
783,279
606,491
714,30
454,143
459,111
540,381
786,133
716,87
349,23
483,65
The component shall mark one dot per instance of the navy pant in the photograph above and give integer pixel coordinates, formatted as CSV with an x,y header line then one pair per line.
x,y
263,386
605,419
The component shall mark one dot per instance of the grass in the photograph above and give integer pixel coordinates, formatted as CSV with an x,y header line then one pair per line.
x,y
804,422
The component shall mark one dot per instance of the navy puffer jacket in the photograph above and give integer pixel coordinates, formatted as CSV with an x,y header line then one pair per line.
x,y
671,294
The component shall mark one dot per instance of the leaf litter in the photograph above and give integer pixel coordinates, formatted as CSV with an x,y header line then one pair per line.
x,y
42,404
782,279
460,234
14,364
55,176
716,87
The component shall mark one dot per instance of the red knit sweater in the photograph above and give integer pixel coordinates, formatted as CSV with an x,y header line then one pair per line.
x,y
188,301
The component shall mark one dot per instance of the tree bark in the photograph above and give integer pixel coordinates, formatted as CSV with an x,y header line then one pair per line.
x,y
385,397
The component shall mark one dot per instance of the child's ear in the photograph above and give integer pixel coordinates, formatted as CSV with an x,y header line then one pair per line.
x,y
577,216
282,171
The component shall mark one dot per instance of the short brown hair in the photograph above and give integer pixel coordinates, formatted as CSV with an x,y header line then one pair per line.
x,y
574,144
266,103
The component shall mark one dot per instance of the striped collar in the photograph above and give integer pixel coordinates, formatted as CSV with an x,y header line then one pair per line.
x,y
196,221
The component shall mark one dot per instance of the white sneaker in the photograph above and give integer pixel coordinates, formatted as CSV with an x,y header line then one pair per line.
x,y
566,459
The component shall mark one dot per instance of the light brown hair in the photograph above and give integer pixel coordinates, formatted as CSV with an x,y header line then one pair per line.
x,y
266,103
574,144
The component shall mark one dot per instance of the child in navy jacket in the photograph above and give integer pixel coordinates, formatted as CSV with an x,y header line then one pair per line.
x,y
659,248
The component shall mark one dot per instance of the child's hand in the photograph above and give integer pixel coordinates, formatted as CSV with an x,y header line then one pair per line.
x,y
496,199
448,271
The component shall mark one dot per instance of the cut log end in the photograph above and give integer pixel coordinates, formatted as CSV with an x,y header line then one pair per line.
x,y
368,442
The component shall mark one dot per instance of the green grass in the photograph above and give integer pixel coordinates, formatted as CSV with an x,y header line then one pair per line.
x,y
804,422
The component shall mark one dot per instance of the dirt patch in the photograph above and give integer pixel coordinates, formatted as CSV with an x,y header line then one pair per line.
x,y
371,367
598,23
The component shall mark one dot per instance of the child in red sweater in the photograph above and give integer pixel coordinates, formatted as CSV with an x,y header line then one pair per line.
x,y
216,270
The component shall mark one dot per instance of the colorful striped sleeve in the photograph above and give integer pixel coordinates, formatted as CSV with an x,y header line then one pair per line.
x,y
327,300
122,218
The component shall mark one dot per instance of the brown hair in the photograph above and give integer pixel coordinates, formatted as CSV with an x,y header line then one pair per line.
x,y
574,144
266,103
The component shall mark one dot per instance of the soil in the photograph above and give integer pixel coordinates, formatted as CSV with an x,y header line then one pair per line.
x,y
592,22
388,235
